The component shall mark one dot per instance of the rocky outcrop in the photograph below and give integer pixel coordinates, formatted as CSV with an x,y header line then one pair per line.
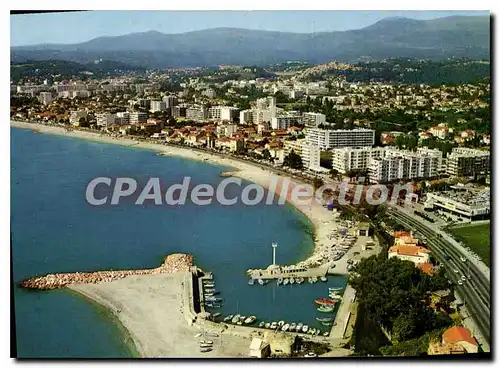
x,y
172,263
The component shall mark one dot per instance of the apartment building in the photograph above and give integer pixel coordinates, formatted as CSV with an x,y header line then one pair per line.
x,y
228,113
402,165
313,119
347,159
310,155
295,146
285,121
196,112
170,101
138,117
105,119
158,106
246,116
467,162
327,139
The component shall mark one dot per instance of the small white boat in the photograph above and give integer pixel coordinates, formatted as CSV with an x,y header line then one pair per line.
x,y
324,279
262,324
305,328
281,323
198,334
286,281
228,318
285,327
280,281
292,326
236,318
250,320
274,325
299,280
261,282
309,280
206,342
314,279
267,325
299,327
292,280
326,334
251,282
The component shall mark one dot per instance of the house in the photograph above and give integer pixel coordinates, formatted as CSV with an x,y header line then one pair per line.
x,y
440,300
412,253
455,340
259,348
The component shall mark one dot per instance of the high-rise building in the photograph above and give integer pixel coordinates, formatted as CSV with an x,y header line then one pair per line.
x,y
285,121
170,101
402,165
347,159
327,139
246,116
105,119
310,156
75,116
468,162
138,117
228,113
158,106
196,112
313,119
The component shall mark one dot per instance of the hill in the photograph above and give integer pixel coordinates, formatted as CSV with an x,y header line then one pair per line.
x,y
391,37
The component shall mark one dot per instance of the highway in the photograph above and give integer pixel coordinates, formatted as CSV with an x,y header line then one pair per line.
x,y
475,291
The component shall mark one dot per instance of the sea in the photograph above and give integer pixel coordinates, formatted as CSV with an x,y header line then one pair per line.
x,y
54,229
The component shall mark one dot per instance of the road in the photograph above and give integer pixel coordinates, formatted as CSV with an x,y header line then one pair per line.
x,y
475,291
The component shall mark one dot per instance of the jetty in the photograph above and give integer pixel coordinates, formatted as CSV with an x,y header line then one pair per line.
x,y
276,272
172,263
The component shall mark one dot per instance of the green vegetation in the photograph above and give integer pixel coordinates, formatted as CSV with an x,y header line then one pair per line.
x,y
413,71
67,69
368,337
413,347
477,237
391,293
293,160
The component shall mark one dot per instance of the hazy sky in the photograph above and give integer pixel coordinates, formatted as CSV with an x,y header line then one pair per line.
x,y
83,26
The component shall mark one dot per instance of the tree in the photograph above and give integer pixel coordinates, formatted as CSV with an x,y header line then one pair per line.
x,y
317,183
293,160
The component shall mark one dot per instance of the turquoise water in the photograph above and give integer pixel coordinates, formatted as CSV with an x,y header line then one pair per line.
x,y
55,230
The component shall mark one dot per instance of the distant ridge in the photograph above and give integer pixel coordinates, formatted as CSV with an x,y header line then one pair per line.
x,y
441,38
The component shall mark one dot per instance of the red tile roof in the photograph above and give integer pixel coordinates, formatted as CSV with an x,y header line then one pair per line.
x,y
456,334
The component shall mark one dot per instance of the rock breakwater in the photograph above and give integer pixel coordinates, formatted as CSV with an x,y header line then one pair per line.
x,y
172,263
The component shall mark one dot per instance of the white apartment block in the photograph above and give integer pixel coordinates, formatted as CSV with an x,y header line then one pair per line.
x,y
285,121
402,165
158,106
327,139
138,117
74,116
223,113
295,146
349,158
467,162
105,119
195,112
227,129
170,101
310,156
313,119
246,116
45,97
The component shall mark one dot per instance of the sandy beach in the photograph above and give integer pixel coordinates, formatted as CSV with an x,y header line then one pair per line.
x,y
152,309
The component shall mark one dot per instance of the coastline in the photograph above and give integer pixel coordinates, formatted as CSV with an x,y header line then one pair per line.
x,y
136,323
319,217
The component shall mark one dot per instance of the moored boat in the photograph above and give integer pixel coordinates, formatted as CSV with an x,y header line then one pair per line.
x,y
228,318
326,323
262,324
280,281
236,318
309,280
305,328
261,282
281,323
326,334
299,327
267,325
314,279
323,278
205,350
285,327
251,282
292,326
285,281
324,301
250,320
292,280
274,325
324,319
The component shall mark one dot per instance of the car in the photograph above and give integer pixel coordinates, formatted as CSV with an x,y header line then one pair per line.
x,y
464,278
463,259
459,282
455,270
447,257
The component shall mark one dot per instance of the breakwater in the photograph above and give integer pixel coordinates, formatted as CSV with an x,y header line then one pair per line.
x,y
177,262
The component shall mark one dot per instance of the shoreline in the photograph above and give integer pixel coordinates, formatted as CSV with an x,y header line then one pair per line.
x,y
320,218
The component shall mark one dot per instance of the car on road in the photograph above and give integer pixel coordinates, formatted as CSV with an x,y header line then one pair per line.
x,y
455,270
459,282
464,278
463,259
447,257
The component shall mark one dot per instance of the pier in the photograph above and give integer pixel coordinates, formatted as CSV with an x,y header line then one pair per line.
x,y
277,272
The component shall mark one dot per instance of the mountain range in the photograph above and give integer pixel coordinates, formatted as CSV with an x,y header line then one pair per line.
x,y
436,39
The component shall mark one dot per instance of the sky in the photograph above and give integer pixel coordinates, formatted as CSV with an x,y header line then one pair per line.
x,y
78,27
